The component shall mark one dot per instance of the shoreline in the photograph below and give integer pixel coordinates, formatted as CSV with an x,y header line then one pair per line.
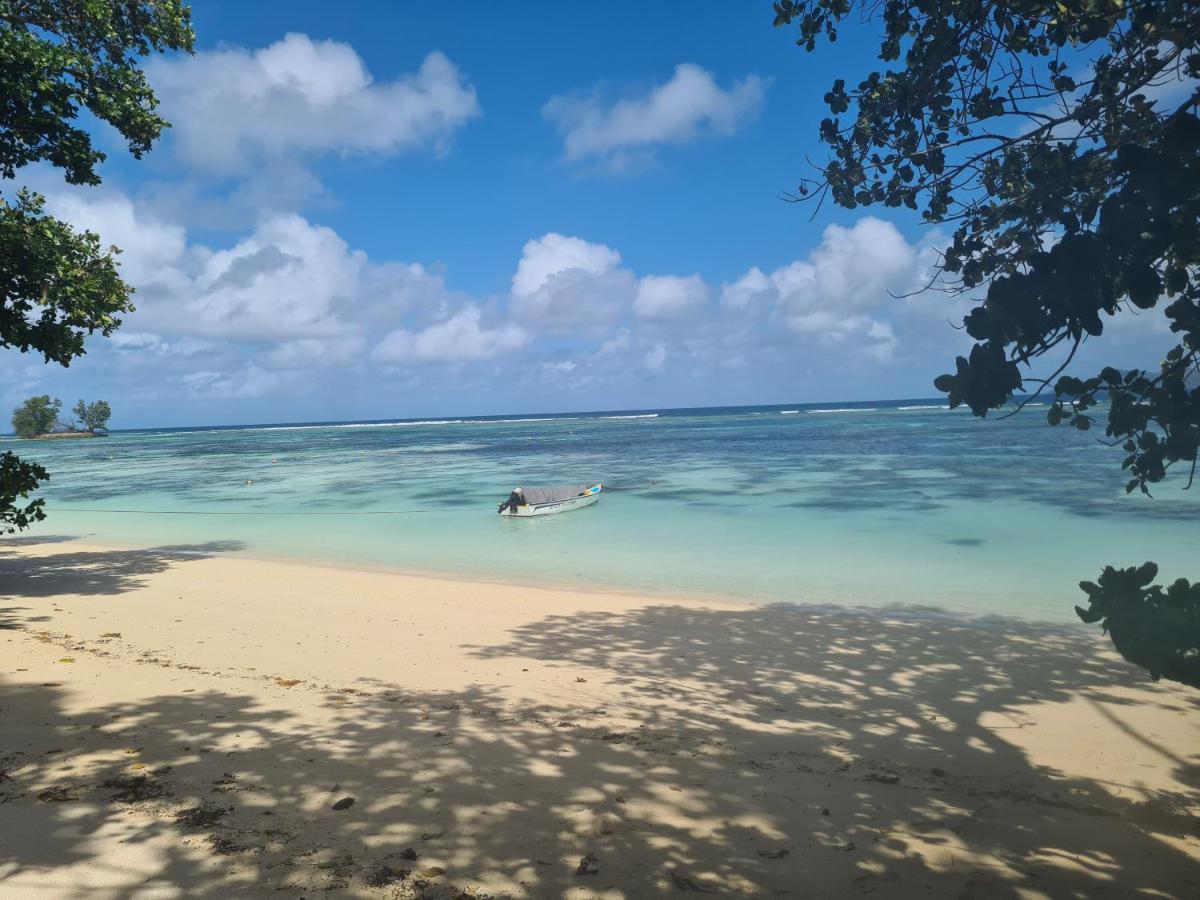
x,y
966,615
182,724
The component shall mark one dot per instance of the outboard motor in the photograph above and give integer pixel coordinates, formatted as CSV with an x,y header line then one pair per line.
x,y
513,501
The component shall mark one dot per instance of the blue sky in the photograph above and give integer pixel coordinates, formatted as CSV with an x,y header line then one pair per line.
x,y
403,210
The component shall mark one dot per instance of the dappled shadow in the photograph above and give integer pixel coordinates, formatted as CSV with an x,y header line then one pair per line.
x,y
754,752
94,572
926,700
34,540
14,617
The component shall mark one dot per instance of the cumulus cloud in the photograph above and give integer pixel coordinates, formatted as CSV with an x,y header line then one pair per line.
x,y
689,105
312,353
300,97
151,249
670,297
565,283
462,338
245,383
290,307
838,289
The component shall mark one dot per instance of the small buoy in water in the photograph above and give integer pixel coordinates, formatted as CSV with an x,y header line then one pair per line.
x,y
274,460
249,481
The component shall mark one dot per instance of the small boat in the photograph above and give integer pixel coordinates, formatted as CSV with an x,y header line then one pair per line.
x,y
545,501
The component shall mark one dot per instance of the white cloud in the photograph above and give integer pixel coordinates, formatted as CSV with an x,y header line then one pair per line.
x,y
151,249
689,105
670,296
655,357
565,284
246,383
300,97
553,254
313,353
291,307
460,339
829,295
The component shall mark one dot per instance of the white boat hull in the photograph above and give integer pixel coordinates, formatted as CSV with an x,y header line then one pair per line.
x,y
555,506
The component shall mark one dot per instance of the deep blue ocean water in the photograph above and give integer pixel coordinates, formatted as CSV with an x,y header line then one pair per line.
x,y
881,504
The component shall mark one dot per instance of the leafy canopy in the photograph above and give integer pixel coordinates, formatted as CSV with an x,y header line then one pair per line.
x,y
17,480
58,285
1061,141
62,56
92,416
35,416
58,59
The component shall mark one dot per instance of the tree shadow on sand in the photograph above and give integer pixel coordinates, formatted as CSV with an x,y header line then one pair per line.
x,y
92,572
767,752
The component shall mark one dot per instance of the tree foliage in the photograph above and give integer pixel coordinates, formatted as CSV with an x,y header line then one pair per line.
x,y
36,416
1157,628
61,57
58,285
1062,142
17,480
92,416
58,60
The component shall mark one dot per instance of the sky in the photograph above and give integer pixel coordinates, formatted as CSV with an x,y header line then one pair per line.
x,y
409,210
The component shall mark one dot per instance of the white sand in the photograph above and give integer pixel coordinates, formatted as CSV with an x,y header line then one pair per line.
x,y
502,734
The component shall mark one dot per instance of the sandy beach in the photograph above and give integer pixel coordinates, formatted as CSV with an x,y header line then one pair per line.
x,y
175,722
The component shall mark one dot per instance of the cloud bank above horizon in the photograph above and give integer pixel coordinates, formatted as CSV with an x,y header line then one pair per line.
x,y
277,311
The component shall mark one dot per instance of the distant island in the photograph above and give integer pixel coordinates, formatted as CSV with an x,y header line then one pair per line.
x,y
71,433
38,419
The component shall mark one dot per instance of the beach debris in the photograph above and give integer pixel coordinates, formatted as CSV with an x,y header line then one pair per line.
x,y
225,846
825,811
882,777
432,872
580,680
779,853
344,803
67,659
206,815
340,863
845,847
432,835
135,788
687,884
57,794
588,865
382,876
937,773
410,854
111,634
288,682
226,778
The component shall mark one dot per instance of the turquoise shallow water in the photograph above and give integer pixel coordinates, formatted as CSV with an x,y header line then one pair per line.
x,y
879,504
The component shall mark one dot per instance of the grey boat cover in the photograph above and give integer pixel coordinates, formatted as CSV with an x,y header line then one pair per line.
x,y
534,495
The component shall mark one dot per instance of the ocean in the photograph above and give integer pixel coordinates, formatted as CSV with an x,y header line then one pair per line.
x,y
899,504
